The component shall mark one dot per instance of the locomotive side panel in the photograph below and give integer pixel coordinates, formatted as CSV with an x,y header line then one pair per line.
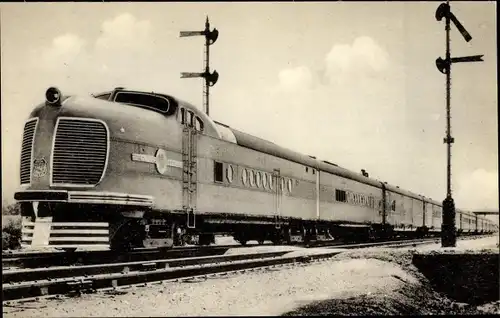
x,y
344,200
131,170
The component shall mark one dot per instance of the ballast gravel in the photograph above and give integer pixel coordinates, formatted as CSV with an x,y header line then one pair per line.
x,y
356,282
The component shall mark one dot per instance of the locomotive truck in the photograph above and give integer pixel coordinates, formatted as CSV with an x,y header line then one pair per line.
x,y
127,169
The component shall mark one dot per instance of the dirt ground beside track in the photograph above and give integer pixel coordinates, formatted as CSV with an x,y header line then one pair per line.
x,y
369,281
409,297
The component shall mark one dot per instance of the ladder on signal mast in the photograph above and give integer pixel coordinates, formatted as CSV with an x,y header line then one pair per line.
x,y
189,174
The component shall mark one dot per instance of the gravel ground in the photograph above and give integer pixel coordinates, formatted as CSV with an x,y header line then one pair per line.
x,y
356,282
490,242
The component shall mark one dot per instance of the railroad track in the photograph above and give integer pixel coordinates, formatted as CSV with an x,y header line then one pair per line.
x,y
30,284
33,259
61,258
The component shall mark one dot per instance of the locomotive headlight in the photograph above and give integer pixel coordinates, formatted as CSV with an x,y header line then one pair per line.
x,y
53,96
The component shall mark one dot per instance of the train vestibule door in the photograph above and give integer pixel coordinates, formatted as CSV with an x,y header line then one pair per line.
x,y
278,196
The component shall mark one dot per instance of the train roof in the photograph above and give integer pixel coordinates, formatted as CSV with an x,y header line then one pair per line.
x,y
227,133
256,143
262,145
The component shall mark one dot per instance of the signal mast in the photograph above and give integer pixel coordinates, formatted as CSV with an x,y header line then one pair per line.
x,y
448,238
210,78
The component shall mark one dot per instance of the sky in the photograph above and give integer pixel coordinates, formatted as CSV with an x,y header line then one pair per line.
x,y
352,83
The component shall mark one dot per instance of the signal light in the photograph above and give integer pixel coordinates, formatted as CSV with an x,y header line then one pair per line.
x,y
53,96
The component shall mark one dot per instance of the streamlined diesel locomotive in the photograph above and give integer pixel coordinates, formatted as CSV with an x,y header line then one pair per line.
x,y
126,169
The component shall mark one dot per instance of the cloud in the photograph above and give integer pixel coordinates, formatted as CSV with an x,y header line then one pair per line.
x,y
353,97
64,51
122,54
295,78
124,32
364,56
356,118
363,64
478,190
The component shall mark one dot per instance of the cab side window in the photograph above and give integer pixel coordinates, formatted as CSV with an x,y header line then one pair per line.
x,y
198,124
190,118
103,96
182,116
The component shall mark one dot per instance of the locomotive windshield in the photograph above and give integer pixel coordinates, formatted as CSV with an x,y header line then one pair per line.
x,y
152,101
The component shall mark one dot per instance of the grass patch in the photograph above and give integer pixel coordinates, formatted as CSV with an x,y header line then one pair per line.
x,y
11,227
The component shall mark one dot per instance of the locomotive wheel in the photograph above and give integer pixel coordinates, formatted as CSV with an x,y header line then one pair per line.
x,y
305,235
205,239
371,234
276,239
125,234
288,237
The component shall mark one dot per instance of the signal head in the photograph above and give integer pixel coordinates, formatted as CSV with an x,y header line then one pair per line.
x,y
442,11
212,78
212,36
442,65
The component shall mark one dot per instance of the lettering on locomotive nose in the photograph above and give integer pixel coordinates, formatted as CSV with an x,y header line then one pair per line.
x,y
159,159
39,167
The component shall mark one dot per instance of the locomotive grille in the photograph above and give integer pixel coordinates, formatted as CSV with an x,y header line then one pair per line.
x,y
27,146
80,152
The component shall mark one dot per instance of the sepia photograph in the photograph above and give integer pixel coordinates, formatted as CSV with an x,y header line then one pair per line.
x,y
169,159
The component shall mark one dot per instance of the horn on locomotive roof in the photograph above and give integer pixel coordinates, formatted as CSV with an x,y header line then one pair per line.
x,y
53,96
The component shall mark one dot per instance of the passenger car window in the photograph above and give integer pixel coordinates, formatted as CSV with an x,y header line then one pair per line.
x,y
218,172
